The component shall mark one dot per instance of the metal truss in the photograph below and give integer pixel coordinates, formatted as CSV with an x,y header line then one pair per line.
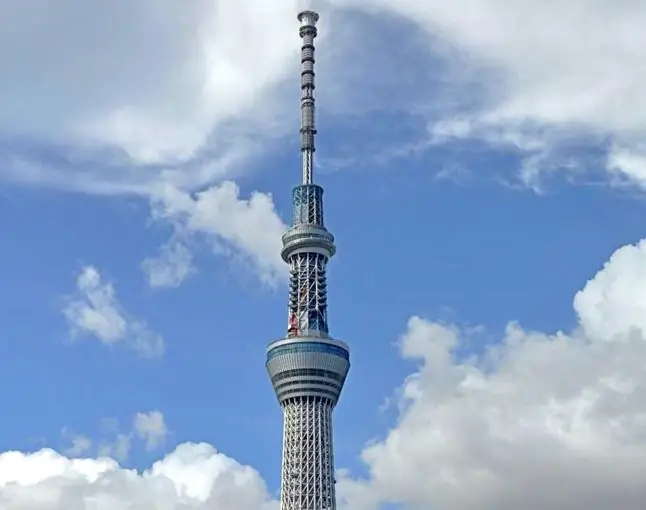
x,y
307,306
307,201
307,481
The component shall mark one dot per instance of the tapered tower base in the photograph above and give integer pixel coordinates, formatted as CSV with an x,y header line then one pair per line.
x,y
308,374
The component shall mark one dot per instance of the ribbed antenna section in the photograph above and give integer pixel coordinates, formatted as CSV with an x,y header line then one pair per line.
x,y
307,32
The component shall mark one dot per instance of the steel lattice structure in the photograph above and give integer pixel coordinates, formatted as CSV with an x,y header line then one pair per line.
x,y
308,367
308,467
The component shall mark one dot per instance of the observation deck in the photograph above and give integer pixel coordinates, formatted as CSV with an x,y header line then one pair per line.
x,y
308,366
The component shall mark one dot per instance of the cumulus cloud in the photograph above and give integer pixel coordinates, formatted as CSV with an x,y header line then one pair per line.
x,y
540,421
152,82
612,306
247,230
193,476
94,310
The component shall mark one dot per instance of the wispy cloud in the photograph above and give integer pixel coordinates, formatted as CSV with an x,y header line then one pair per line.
x,y
147,427
170,267
94,310
151,428
548,74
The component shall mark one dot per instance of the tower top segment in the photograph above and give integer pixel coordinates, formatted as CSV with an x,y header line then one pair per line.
x,y
308,18
307,32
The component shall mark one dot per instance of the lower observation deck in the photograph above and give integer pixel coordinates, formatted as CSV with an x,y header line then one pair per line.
x,y
308,366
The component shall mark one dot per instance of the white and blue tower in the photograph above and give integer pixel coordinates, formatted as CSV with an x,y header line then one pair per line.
x,y
308,367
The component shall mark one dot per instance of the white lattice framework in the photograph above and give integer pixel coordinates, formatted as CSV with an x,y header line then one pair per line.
x,y
308,465
308,292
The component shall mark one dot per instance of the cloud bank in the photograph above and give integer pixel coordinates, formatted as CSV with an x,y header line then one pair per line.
x,y
151,82
193,476
540,421
545,75
185,94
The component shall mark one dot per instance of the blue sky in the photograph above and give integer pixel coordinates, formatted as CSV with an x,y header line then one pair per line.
x,y
456,194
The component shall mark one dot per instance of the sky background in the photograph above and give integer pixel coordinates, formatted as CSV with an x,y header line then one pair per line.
x,y
483,177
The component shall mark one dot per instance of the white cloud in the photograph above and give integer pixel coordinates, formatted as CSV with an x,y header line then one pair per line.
x,y
134,97
117,448
542,72
185,87
151,427
193,476
540,422
246,229
155,79
127,96
628,162
612,306
95,310
171,267
80,444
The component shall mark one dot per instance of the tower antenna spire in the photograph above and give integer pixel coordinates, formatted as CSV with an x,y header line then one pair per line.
x,y
308,33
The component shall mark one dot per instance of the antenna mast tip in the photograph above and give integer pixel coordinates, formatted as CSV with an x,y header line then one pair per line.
x,y
308,18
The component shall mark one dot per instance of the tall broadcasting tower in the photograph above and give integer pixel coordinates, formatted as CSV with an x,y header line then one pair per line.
x,y
307,367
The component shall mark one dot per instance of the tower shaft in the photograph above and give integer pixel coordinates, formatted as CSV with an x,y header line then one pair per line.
x,y
308,459
307,367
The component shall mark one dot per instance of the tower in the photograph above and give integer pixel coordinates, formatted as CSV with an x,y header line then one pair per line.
x,y
308,367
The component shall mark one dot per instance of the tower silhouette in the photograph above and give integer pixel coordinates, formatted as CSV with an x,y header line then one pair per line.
x,y
308,367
